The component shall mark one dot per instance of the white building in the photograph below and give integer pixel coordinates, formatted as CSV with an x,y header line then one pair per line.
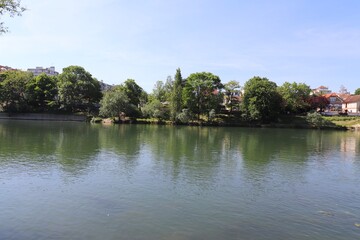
x,y
321,90
352,104
39,70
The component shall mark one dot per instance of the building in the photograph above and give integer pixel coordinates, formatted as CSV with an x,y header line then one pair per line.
x,y
352,104
39,70
6,68
335,101
321,90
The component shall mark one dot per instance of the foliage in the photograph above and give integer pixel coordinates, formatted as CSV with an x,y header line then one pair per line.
x,y
232,94
212,115
357,91
11,7
41,92
155,109
296,97
176,95
13,90
201,93
78,90
185,116
114,103
318,102
133,91
159,91
261,101
316,120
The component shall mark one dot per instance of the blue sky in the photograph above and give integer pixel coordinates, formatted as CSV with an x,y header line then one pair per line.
x,y
316,42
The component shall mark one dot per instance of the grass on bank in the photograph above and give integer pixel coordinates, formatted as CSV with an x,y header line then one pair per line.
x,y
345,121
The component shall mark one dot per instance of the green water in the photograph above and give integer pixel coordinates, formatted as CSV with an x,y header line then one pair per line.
x,y
61,180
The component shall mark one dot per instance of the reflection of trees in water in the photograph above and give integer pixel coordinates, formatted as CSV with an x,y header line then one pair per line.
x,y
124,143
32,138
72,145
121,139
261,146
185,153
77,146
192,154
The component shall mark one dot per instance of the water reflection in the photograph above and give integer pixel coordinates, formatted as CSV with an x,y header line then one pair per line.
x,y
175,149
161,182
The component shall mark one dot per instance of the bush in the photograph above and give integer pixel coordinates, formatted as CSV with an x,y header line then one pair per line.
x,y
184,116
316,120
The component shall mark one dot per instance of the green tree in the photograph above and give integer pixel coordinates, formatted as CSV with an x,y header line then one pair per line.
x,y
115,103
357,91
13,90
12,8
201,93
296,97
159,91
232,94
155,109
78,90
261,101
41,92
176,96
133,91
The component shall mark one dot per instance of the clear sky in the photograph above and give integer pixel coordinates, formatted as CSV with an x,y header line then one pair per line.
x,y
316,42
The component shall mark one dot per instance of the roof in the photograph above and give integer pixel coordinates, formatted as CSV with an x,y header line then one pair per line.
x,y
322,87
353,98
344,96
331,95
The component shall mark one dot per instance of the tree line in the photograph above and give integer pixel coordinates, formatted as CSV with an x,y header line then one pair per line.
x,y
199,97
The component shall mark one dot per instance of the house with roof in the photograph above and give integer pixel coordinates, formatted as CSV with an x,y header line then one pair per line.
x,y
351,104
334,101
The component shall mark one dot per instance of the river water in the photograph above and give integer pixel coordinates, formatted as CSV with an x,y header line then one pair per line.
x,y
67,180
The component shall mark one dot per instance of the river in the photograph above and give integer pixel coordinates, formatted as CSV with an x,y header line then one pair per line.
x,y
70,180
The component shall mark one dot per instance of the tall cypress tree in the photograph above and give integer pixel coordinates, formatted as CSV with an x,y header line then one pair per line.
x,y
176,95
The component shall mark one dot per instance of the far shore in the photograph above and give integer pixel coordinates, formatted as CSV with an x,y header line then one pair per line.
x,y
294,124
43,117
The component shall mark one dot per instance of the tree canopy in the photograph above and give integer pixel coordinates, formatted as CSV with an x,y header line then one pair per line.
x,y
78,90
13,90
12,8
176,95
41,92
295,96
202,92
133,91
357,91
114,103
232,94
261,101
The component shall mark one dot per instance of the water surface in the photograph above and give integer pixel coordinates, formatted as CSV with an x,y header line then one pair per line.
x,y
62,180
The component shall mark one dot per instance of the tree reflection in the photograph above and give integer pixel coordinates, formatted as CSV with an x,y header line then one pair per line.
x,y
69,145
76,147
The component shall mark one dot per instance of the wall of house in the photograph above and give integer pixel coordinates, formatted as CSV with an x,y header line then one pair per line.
x,y
352,107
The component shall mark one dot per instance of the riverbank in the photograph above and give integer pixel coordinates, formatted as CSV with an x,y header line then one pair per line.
x,y
43,117
295,122
292,122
